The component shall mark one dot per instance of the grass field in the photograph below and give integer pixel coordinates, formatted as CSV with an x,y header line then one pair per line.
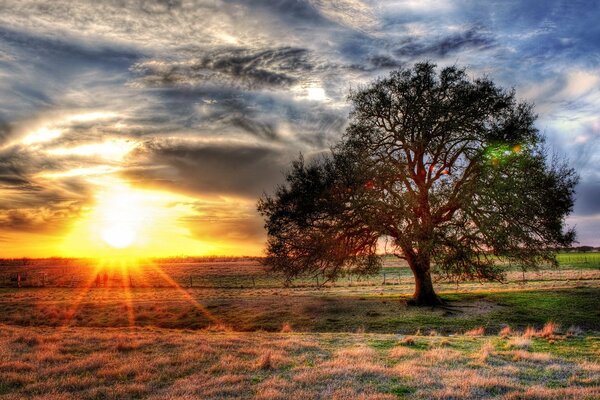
x,y
74,363
236,332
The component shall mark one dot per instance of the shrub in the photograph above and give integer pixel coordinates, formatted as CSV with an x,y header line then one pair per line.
x,y
530,332
480,331
505,332
548,330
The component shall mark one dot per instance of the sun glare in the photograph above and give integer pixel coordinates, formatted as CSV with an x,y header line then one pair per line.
x,y
316,94
119,236
130,223
121,214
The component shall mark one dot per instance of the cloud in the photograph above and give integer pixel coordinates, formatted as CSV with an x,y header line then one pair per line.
x,y
232,221
588,194
53,219
469,39
229,169
244,68
355,14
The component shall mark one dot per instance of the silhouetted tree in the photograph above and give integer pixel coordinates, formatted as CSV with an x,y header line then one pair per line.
x,y
451,170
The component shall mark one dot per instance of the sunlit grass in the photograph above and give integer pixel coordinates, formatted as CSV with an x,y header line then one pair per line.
x,y
158,363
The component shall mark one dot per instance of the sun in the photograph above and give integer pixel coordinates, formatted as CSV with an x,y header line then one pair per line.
x,y
129,223
119,236
121,215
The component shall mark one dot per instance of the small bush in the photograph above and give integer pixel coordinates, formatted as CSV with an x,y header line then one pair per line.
x,y
480,331
530,332
548,330
505,332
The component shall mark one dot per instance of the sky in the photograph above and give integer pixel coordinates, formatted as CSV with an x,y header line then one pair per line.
x,y
153,127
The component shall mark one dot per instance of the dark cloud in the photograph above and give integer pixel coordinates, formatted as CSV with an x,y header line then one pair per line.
x,y
15,168
44,69
160,6
245,68
287,11
384,62
231,222
234,169
53,218
52,51
34,205
472,38
235,231
588,199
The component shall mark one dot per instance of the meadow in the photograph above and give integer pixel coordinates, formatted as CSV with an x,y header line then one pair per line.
x,y
226,328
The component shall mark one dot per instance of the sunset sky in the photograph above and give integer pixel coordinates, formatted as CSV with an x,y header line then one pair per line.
x,y
152,127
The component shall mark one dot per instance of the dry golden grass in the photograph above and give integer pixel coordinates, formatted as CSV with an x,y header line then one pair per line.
x,y
480,331
505,332
520,342
487,350
112,343
408,341
150,363
549,330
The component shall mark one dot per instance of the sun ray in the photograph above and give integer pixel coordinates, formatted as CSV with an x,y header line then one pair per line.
x,y
185,294
81,294
126,269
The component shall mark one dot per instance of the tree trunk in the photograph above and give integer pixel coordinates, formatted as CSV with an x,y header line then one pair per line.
x,y
424,294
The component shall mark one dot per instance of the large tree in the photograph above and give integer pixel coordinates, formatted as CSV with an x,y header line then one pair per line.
x,y
450,171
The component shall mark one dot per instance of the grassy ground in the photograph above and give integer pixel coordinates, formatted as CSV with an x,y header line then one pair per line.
x,y
238,273
329,311
83,363
342,341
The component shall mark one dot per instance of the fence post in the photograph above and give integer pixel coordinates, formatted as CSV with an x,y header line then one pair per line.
x,y
384,277
191,281
253,282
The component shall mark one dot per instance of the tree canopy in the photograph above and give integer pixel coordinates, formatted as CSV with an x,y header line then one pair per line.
x,y
449,170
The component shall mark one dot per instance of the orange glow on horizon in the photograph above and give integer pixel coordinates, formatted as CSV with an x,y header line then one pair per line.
x,y
130,223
